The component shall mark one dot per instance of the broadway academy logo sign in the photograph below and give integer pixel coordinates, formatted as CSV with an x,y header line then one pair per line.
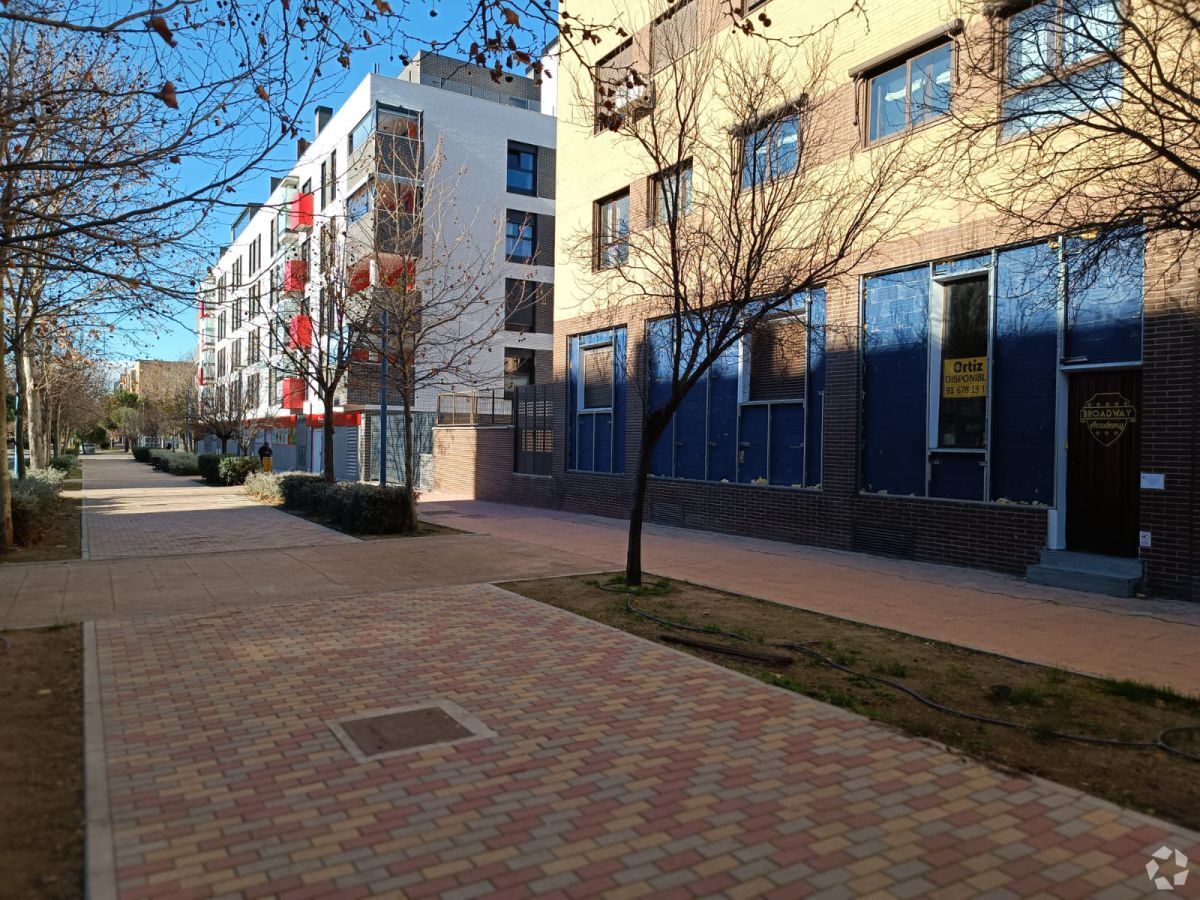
x,y
1107,416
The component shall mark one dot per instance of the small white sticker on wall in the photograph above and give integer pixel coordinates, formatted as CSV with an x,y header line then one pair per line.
x,y
1143,539
1154,481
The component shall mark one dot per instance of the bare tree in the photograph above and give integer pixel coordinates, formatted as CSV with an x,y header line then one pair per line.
x,y
439,285
758,196
1075,114
227,411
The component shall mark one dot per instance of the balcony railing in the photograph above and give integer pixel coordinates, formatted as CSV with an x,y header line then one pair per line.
x,y
300,213
295,276
474,408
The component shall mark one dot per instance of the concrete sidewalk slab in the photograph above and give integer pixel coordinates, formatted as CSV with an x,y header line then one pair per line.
x,y
1158,640
618,768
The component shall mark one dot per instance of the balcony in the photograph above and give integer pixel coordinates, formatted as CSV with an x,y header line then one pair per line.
x,y
292,393
300,213
476,408
295,276
300,332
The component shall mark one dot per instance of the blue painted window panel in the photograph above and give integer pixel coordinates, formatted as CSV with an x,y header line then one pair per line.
x,y
691,440
659,392
573,371
787,444
1104,300
895,381
956,476
585,429
965,264
1024,375
722,417
752,444
602,430
620,389
816,386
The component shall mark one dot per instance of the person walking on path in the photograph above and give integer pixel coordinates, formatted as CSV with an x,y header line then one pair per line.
x,y
264,454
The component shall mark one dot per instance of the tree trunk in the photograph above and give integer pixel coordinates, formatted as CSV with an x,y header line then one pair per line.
x,y
24,422
410,456
327,431
6,522
652,430
224,445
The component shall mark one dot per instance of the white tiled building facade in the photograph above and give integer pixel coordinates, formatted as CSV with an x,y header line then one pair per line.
x,y
498,158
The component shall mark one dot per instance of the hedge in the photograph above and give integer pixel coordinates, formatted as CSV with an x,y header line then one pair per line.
x,y
141,454
234,469
33,499
64,462
355,507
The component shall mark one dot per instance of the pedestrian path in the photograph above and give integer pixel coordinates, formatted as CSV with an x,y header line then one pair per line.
x,y
1146,640
594,764
131,510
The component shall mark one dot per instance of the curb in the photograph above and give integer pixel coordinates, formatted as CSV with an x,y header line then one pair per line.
x,y
100,882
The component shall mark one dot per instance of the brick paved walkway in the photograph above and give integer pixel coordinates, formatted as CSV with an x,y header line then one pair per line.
x,y
1157,641
619,768
131,510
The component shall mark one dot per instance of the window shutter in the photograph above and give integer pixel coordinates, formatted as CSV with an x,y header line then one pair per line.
x,y
778,361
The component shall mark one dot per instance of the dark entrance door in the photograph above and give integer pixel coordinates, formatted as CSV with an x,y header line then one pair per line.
x,y
1103,454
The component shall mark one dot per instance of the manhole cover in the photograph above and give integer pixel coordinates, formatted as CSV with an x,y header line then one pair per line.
x,y
393,731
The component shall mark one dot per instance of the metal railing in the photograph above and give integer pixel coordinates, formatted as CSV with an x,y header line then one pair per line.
x,y
474,408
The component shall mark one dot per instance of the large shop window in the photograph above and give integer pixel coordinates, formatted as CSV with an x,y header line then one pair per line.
x,y
596,401
977,342
755,416
962,407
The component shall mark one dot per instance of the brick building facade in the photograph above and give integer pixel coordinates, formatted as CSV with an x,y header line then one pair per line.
x,y
969,392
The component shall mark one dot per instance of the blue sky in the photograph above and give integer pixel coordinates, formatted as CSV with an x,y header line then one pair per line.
x,y
173,340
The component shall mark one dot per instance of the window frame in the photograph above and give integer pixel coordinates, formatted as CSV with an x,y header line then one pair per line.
x,y
527,305
519,148
868,78
657,193
600,262
770,124
528,223
610,346
1060,72
746,362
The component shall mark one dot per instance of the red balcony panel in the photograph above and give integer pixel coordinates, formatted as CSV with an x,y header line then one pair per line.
x,y
300,213
295,276
359,277
393,273
300,332
360,355
293,393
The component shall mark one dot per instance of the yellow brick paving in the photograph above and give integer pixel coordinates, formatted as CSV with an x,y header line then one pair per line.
x,y
619,769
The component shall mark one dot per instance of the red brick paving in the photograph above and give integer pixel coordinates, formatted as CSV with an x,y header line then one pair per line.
x,y
620,768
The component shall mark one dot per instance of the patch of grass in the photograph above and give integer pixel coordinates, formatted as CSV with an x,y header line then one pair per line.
x,y
1140,692
891,669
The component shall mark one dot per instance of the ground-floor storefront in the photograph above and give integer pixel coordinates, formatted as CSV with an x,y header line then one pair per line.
x,y
977,408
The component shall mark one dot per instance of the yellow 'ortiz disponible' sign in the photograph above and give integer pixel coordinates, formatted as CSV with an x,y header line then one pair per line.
x,y
964,377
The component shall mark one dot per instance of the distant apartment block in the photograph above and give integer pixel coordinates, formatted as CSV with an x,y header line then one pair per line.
x,y
375,153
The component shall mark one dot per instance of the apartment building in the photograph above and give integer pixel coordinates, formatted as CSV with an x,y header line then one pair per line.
x,y
444,128
971,389
156,378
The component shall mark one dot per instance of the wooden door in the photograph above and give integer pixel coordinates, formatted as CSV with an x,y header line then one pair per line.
x,y
1103,457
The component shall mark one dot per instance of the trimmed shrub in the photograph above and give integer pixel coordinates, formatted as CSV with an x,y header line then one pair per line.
x,y
302,492
264,486
141,454
33,499
158,459
210,467
64,462
234,469
367,508
180,463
